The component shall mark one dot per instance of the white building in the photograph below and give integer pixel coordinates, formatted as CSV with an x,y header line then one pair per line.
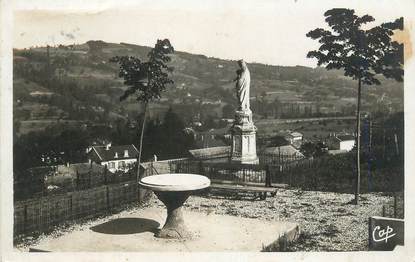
x,y
346,142
294,137
343,143
114,157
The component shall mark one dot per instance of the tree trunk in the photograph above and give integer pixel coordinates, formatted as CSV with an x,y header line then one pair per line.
x,y
357,189
141,142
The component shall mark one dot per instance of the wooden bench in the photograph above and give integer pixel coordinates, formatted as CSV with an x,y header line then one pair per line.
x,y
257,188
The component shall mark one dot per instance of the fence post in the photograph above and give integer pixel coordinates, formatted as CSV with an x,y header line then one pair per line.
x,y
107,196
201,170
302,178
43,214
25,218
71,206
267,176
395,206
56,218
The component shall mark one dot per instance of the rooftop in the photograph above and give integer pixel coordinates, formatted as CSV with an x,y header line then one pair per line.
x,y
106,153
210,152
218,131
295,134
345,137
287,150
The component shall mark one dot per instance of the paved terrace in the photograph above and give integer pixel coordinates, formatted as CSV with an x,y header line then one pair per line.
x,y
134,231
328,222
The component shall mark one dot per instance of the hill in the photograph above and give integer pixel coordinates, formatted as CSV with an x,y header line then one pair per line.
x,y
78,83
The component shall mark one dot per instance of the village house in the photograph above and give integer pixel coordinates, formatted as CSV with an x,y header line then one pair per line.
x,y
340,143
294,137
213,137
116,158
284,151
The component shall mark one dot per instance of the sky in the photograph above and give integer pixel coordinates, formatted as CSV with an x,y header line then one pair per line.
x,y
264,31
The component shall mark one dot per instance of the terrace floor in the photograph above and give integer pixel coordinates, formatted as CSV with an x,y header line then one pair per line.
x,y
134,231
328,222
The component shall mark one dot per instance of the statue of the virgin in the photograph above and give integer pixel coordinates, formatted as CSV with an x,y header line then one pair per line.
x,y
243,81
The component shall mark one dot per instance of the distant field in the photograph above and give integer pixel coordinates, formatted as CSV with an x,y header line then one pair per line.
x,y
295,120
39,125
311,128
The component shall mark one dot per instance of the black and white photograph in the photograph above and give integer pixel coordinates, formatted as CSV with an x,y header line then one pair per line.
x,y
257,129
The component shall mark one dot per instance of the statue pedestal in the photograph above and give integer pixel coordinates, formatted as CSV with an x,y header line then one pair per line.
x,y
244,139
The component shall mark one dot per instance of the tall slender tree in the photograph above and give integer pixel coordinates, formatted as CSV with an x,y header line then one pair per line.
x,y
146,80
361,53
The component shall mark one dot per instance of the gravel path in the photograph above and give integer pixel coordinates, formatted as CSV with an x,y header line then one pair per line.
x,y
328,221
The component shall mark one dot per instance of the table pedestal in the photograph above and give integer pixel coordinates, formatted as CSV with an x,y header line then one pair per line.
x,y
174,226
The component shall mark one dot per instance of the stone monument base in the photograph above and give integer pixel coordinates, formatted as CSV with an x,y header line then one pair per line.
x,y
244,139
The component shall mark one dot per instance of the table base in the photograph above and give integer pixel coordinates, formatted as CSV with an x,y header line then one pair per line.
x,y
174,226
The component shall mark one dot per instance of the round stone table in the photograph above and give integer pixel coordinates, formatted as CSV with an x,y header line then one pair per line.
x,y
173,190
